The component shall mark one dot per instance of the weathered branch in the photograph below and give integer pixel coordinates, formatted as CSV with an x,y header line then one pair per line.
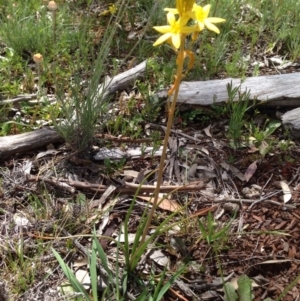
x,y
129,188
11,145
122,81
272,90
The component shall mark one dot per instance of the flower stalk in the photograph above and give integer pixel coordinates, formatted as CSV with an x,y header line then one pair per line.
x,y
167,135
38,59
175,34
52,6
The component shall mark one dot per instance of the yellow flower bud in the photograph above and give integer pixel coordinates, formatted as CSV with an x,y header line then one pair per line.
x,y
52,5
184,6
38,58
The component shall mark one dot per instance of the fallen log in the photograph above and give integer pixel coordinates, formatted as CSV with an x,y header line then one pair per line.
x,y
11,145
121,81
271,90
292,121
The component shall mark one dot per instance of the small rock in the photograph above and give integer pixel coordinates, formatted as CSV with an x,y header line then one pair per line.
x,y
111,154
291,120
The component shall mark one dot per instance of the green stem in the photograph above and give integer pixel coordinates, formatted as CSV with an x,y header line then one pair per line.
x,y
54,25
39,81
167,135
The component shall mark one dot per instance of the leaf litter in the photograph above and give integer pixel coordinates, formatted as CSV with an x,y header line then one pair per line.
x,y
262,241
273,248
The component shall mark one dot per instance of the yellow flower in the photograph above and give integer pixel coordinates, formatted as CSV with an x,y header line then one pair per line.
x,y
173,31
112,9
184,6
201,17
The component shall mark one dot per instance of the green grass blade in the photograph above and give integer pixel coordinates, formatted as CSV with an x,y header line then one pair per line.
x,y
93,271
101,254
169,283
202,229
78,287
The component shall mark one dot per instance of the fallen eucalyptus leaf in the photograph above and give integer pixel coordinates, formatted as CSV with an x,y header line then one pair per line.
x,y
287,194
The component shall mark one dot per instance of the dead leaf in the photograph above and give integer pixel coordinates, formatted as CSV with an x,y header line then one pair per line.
x,y
234,170
141,177
252,192
27,165
21,221
287,194
207,131
83,277
83,262
219,212
252,149
98,203
263,148
250,171
259,280
130,238
204,211
192,171
160,258
163,203
49,152
130,173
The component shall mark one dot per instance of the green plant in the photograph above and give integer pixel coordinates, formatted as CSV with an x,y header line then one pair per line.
x,y
117,284
113,166
83,110
210,231
126,125
211,56
24,274
176,33
11,67
244,291
151,104
258,137
21,31
284,145
160,72
238,104
293,45
287,289
196,115
155,136
27,29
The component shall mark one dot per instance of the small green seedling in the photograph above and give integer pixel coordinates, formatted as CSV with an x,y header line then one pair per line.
x,y
244,291
209,229
259,137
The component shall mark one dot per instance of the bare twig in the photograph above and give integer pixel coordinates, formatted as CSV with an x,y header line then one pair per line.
x,y
255,202
127,188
